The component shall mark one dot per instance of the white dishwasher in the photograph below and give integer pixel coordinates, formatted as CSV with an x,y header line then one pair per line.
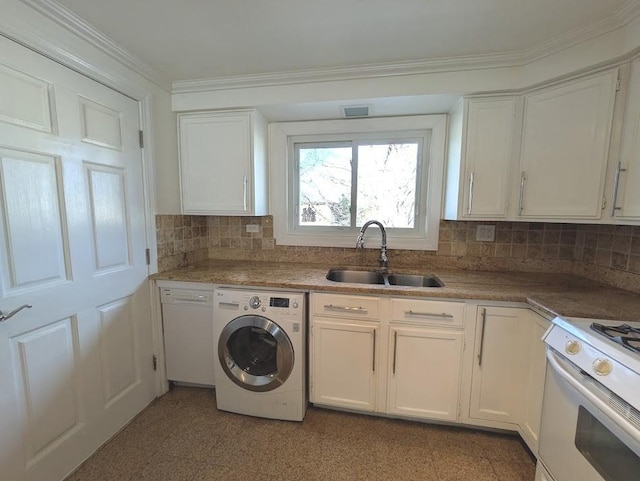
x,y
187,319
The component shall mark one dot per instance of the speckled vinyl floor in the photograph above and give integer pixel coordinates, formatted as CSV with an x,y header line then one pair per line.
x,y
183,437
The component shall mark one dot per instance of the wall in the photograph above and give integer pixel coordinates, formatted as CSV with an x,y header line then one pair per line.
x,y
610,254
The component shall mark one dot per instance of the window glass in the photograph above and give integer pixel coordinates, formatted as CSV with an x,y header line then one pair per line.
x,y
386,187
324,185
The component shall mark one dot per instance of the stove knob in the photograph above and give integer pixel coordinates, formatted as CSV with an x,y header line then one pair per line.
x,y
572,347
254,302
602,367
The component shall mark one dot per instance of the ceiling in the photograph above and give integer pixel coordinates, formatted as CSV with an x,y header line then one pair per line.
x,y
198,39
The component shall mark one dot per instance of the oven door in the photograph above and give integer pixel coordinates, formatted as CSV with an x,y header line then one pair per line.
x,y
587,433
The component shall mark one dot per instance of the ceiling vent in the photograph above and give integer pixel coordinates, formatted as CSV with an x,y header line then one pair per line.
x,y
356,111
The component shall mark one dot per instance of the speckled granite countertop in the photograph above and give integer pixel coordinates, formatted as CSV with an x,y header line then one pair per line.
x,y
554,294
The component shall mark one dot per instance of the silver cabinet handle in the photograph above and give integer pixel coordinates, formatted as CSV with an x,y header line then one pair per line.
x,y
395,350
616,184
443,315
331,307
484,322
244,192
523,178
471,176
4,317
374,350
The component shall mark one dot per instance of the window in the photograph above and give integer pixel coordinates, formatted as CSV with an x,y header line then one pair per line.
x,y
345,184
330,177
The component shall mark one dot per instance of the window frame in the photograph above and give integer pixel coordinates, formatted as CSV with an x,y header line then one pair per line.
x,y
431,129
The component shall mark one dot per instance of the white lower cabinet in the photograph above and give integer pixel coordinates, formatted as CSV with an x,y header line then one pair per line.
x,y
534,388
418,358
499,370
397,356
424,375
507,376
343,351
343,363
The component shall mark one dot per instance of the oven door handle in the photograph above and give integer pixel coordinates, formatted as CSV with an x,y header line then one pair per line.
x,y
556,363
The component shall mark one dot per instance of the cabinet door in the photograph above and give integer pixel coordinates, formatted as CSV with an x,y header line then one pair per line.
x,y
499,371
626,196
537,362
215,162
343,363
424,372
487,156
565,147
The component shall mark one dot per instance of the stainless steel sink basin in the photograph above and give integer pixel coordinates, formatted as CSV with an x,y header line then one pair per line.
x,y
357,277
377,278
414,280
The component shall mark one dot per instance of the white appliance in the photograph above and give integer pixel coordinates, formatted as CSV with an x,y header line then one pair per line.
x,y
261,353
187,320
590,427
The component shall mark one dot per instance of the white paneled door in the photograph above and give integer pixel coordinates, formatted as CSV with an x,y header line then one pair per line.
x,y
76,366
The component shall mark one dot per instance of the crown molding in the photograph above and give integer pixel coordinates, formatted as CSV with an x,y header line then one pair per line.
x,y
354,72
514,59
87,32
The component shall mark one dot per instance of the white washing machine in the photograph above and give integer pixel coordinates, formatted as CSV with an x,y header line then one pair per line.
x,y
260,368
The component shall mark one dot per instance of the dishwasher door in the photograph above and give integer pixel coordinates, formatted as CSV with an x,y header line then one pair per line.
x,y
187,319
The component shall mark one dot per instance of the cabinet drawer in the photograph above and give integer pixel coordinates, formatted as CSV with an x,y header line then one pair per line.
x,y
350,307
442,313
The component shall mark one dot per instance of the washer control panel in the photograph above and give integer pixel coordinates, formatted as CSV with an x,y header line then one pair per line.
x,y
290,305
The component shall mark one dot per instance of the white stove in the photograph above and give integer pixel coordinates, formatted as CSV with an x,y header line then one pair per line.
x,y
605,359
591,411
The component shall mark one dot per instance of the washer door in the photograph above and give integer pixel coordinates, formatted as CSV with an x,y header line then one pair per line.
x,y
255,353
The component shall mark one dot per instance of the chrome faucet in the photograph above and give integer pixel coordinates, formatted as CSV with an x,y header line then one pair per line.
x,y
383,247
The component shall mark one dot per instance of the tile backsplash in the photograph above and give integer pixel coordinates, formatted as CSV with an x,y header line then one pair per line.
x,y
607,253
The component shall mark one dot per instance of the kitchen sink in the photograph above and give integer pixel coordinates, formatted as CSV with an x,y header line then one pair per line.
x,y
357,277
377,278
414,280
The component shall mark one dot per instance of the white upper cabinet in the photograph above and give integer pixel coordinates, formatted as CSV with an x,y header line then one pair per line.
x,y
541,155
626,195
485,159
223,163
565,144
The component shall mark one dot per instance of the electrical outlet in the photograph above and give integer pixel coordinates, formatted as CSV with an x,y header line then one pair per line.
x,y
486,233
253,228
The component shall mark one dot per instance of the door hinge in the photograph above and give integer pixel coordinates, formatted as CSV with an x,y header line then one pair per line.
x,y
604,202
141,138
618,84
155,362
464,346
147,254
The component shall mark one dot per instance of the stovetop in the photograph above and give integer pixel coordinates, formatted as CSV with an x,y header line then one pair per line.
x,y
605,358
607,345
623,334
